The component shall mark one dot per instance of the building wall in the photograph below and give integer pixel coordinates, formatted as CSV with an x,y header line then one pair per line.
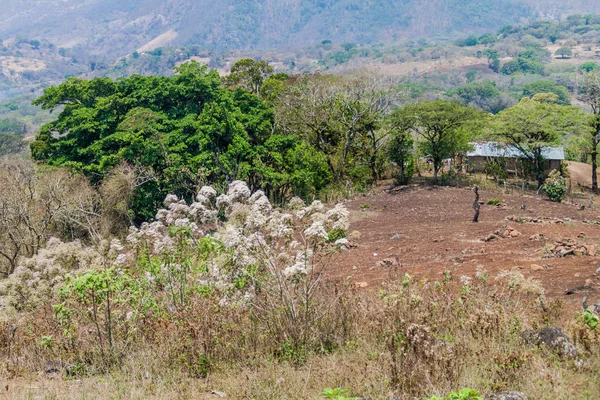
x,y
478,164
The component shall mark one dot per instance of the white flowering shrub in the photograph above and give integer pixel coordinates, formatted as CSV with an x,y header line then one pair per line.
x,y
234,250
36,278
253,237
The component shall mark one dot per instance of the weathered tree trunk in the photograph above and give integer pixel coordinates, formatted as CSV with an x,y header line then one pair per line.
x,y
436,168
539,167
594,161
476,205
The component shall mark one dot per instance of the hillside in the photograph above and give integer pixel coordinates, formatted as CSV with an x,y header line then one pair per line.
x,y
115,28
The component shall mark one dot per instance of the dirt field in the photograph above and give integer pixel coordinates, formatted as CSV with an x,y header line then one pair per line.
x,y
425,231
581,173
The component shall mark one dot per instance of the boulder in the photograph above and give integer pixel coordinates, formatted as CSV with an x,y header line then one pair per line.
x,y
553,338
490,237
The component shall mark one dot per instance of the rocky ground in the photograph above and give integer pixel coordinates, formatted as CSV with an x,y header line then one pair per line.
x,y
424,231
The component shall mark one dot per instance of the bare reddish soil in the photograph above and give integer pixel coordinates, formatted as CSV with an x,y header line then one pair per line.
x,y
436,234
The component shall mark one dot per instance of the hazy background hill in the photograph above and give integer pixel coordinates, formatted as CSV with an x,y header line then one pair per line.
x,y
117,27
42,42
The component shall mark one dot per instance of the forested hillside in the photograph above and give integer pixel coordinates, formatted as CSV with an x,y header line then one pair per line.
x,y
116,28
43,42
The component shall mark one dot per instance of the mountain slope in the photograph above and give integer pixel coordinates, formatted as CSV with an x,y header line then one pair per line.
x,y
117,27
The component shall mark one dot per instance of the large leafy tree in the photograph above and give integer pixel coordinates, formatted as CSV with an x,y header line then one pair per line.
x,y
443,128
185,129
341,117
249,74
536,123
589,93
548,86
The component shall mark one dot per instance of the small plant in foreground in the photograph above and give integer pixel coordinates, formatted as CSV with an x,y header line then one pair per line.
x,y
590,319
494,202
337,394
336,234
464,394
555,187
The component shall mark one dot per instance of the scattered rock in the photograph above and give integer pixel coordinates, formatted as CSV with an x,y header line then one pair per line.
x,y
490,237
536,220
537,237
218,394
507,396
589,282
553,338
504,232
582,235
359,285
581,288
396,236
387,262
515,233
535,267
598,271
569,247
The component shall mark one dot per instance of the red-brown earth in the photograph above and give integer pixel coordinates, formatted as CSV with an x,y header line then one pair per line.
x,y
428,230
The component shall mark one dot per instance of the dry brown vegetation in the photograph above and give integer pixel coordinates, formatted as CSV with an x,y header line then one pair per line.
x,y
399,331
411,340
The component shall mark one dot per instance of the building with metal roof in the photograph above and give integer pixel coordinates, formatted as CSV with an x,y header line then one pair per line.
x,y
511,157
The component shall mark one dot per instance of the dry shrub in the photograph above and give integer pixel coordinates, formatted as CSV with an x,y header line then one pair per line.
x,y
36,204
249,310
415,339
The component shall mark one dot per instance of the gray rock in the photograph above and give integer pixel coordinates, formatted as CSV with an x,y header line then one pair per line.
x,y
396,236
598,271
553,338
507,396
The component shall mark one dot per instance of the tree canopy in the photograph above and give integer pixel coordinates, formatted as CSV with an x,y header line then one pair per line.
x,y
443,129
184,129
535,123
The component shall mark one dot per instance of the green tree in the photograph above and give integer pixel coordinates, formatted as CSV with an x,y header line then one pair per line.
x,y
483,95
11,144
401,150
443,128
249,74
589,66
185,129
510,68
564,52
339,117
272,87
536,123
493,59
589,93
547,86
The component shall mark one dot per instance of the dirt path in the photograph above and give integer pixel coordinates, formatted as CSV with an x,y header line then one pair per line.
x,y
581,173
427,230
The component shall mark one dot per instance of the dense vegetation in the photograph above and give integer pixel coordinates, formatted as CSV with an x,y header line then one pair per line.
x,y
171,229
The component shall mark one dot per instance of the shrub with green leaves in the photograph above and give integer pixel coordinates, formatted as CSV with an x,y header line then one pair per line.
x,y
337,394
463,394
555,187
590,319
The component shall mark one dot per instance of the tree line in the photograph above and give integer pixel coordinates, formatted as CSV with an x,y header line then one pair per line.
x,y
302,135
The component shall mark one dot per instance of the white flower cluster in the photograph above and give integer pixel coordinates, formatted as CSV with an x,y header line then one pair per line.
x,y
254,234
35,278
254,231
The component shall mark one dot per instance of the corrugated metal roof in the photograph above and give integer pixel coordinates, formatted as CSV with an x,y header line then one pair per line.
x,y
495,149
